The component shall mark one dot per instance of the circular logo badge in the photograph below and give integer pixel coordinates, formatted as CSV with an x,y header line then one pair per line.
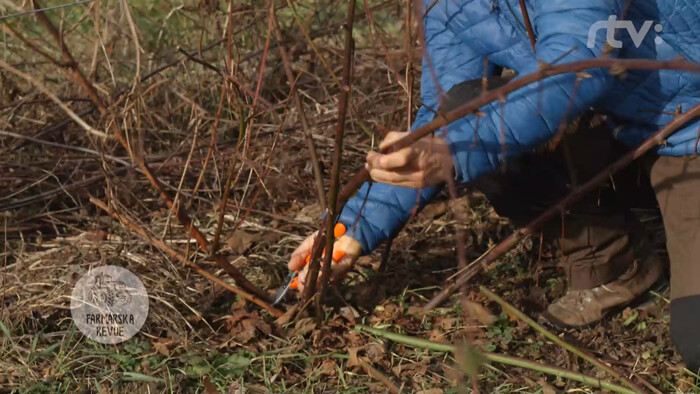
x,y
109,304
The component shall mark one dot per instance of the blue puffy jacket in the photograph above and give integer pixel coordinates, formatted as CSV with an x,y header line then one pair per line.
x,y
461,33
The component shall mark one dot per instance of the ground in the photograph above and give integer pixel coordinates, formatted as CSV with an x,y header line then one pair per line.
x,y
199,337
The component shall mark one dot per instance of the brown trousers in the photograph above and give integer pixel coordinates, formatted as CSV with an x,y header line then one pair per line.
x,y
676,181
598,235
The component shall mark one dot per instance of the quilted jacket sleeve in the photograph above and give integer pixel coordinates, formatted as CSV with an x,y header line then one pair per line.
x,y
531,115
387,207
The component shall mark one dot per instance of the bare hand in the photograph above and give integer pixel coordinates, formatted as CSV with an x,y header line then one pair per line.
x,y
343,245
428,162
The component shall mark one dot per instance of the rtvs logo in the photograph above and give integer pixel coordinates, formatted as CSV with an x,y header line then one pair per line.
x,y
612,24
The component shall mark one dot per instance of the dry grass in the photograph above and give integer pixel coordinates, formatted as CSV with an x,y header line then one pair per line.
x,y
199,337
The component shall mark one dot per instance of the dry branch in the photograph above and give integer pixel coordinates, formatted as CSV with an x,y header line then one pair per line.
x,y
318,176
189,225
77,119
333,206
182,258
70,60
182,216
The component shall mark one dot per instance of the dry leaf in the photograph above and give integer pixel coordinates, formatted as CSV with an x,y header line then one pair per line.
x,y
354,339
353,360
375,352
329,368
309,214
240,240
412,370
236,388
244,326
350,314
436,336
446,323
546,387
460,207
481,314
434,210
271,237
304,326
417,311
209,387
284,319
161,346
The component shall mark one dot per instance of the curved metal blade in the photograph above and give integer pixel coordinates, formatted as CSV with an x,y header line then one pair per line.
x,y
279,296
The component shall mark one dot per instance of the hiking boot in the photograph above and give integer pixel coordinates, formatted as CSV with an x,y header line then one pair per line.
x,y
580,308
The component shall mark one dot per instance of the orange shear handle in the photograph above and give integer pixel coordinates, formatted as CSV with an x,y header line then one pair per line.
x,y
338,231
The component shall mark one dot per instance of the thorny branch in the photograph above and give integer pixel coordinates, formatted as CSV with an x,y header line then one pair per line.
x,y
333,206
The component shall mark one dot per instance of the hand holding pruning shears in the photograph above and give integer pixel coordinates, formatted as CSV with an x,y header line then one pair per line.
x,y
345,252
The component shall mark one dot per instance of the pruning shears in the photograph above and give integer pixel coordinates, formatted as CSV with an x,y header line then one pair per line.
x,y
292,281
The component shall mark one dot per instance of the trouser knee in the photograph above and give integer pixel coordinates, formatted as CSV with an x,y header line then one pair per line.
x,y
685,329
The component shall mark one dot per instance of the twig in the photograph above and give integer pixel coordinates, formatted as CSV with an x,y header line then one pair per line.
x,y
212,142
184,172
67,147
135,38
32,46
499,358
55,99
380,377
510,309
315,164
188,223
232,166
91,109
68,58
557,208
310,41
180,257
333,206
528,25
223,74
56,191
